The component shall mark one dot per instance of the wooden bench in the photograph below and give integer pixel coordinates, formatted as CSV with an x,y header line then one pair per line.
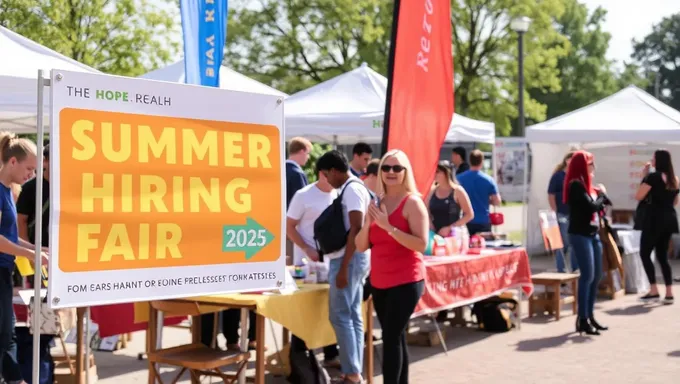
x,y
551,300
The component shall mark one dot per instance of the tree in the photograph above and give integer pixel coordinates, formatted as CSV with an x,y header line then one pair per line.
x,y
123,37
659,54
631,75
586,75
293,44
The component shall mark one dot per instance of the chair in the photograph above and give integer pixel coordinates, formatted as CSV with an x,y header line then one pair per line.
x,y
196,358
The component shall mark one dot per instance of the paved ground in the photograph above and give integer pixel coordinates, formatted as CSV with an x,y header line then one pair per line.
x,y
642,347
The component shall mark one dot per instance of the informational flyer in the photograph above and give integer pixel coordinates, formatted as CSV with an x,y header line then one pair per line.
x,y
509,163
162,190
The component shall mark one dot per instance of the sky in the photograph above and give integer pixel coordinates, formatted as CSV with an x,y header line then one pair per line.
x,y
629,19
626,20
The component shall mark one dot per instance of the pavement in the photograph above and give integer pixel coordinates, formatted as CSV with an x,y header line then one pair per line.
x,y
641,347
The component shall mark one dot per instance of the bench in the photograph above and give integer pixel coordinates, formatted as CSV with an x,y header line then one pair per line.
x,y
552,299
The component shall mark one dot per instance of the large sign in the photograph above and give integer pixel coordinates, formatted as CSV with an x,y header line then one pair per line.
x,y
162,190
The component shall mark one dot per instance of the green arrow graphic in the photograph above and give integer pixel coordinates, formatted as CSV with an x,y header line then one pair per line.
x,y
249,238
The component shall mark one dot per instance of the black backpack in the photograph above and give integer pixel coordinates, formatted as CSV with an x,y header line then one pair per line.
x,y
330,233
495,314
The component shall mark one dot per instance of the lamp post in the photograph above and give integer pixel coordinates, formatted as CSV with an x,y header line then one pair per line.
x,y
521,26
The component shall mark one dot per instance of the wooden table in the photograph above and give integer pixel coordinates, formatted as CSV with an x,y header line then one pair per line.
x,y
552,300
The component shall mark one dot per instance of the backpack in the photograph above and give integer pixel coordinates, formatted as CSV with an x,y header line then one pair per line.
x,y
305,369
330,233
495,314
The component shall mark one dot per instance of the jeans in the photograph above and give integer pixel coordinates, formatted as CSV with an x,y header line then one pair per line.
x,y
345,311
560,254
588,252
650,241
394,307
231,320
9,367
25,356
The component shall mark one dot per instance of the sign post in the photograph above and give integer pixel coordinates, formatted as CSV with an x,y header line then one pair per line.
x,y
162,190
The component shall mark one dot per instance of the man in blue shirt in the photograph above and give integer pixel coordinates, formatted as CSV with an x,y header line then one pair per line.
x,y
361,155
298,155
482,190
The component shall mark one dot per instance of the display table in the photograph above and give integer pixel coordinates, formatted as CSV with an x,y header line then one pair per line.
x,y
455,281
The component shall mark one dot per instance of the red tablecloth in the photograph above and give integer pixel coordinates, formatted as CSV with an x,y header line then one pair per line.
x,y
460,280
117,319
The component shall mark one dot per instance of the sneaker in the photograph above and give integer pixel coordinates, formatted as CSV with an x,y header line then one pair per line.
x,y
668,300
648,297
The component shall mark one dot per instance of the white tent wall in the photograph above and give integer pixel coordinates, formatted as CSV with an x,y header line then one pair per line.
x,y
545,157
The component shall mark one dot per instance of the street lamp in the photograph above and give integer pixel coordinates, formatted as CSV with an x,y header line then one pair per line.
x,y
521,26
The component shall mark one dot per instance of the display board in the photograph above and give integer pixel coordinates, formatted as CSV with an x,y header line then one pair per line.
x,y
162,190
509,165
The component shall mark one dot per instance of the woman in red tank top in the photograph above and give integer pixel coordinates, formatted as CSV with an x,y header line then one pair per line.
x,y
396,232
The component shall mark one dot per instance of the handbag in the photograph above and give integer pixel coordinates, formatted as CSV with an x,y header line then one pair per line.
x,y
496,218
52,321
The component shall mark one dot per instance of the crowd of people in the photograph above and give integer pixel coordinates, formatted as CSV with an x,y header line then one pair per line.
x,y
579,205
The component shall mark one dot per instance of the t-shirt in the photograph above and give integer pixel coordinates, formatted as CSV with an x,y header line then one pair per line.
x,y
355,198
556,187
26,206
479,186
8,223
463,167
306,206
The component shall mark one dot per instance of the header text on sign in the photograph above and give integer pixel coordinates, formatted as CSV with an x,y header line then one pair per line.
x,y
146,184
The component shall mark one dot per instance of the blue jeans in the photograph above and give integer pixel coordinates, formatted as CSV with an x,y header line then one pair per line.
x,y
9,367
345,312
560,254
588,252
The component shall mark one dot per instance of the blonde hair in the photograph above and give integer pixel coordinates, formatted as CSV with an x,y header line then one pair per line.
x,y
17,147
563,165
409,182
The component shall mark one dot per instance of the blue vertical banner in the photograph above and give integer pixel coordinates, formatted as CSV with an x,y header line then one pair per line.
x,y
204,26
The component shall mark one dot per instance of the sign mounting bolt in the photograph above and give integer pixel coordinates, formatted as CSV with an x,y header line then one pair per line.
x,y
59,76
55,300
279,283
279,101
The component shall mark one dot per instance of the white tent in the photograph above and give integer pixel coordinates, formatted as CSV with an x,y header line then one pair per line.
x,y
620,130
349,108
229,79
21,60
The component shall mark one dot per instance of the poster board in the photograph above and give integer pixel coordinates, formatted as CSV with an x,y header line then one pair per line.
x,y
162,190
509,164
550,229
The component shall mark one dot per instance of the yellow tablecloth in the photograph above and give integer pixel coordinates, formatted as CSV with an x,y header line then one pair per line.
x,y
304,312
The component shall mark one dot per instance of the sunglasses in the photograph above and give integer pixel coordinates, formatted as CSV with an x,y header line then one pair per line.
x,y
396,168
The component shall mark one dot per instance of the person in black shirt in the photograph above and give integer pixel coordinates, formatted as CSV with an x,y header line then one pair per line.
x,y
659,190
458,158
585,205
26,205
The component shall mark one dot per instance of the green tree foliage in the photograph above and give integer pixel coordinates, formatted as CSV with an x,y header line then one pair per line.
x,y
486,57
293,44
123,37
586,75
659,54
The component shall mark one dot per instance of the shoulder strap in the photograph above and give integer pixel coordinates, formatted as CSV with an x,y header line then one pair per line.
x,y
46,206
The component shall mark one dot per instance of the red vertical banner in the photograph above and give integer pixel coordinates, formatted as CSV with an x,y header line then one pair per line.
x,y
420,90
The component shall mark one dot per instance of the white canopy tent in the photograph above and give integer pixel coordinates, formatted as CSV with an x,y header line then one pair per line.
x,y
229,79
350,107
21,60
630,118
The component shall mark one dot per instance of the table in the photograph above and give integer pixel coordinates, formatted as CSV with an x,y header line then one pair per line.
x,y
303,312
456,281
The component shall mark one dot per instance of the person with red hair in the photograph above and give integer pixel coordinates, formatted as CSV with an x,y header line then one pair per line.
x,y
585,204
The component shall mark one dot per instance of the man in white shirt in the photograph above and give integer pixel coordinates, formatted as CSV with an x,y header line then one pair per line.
x,y
348,268
304,208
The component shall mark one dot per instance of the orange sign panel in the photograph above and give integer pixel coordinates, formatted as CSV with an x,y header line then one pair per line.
x,y
142,191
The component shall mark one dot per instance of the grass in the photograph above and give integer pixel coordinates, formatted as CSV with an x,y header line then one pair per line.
x,y
516,236
512,204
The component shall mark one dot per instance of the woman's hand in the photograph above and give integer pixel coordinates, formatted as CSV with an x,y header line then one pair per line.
x,y
445,231
602,188
379,216
646,168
